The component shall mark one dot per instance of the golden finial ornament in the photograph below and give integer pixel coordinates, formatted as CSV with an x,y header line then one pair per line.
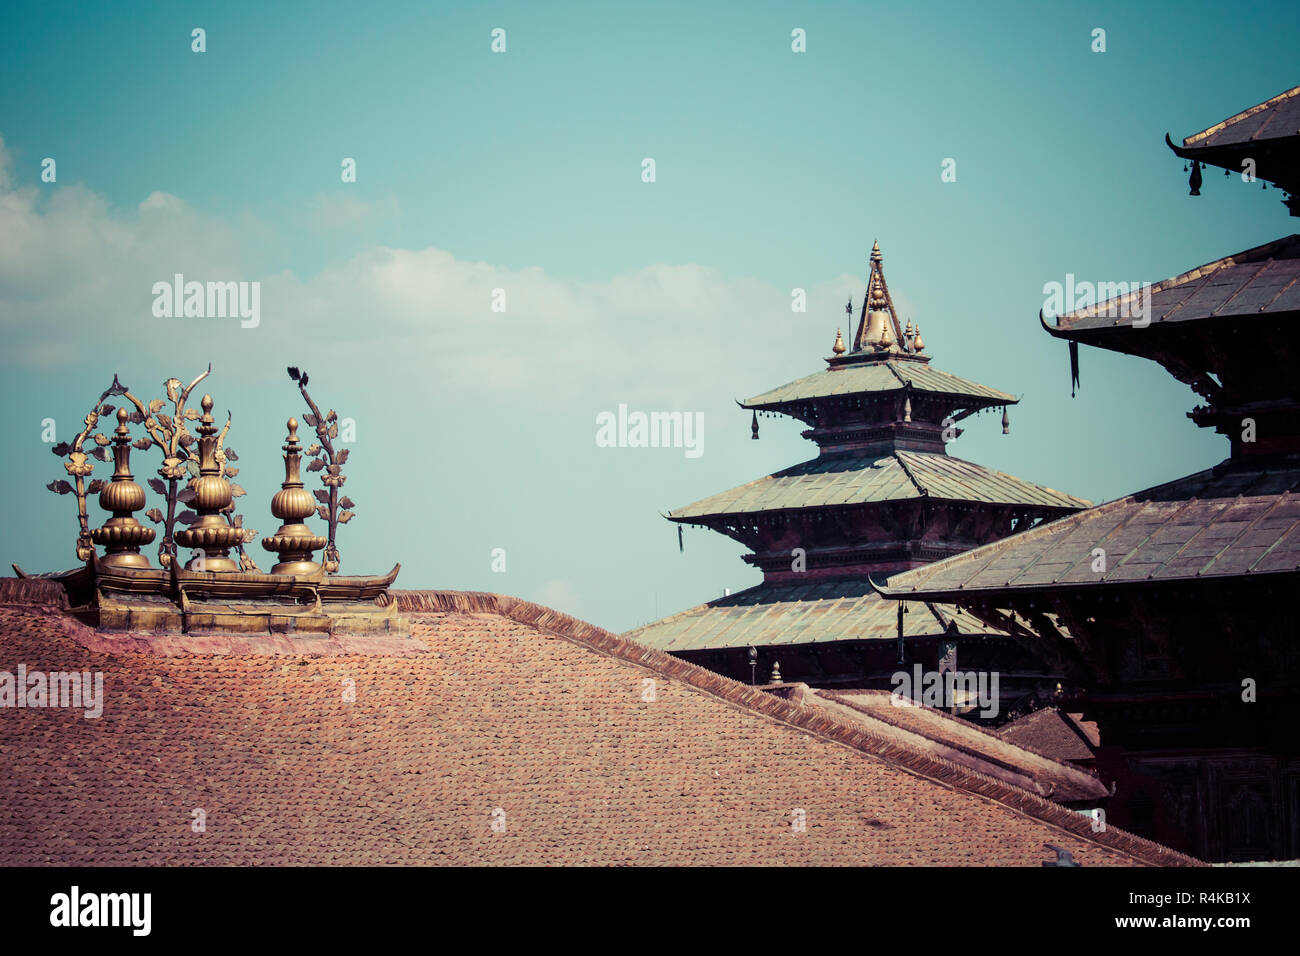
x,y
210,533
918,343
122,535
838,347
294,542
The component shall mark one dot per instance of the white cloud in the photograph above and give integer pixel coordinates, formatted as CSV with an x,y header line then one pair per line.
x,y
72,267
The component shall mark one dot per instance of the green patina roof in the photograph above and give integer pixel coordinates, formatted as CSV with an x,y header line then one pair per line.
x,y
855,480
814,613
888,376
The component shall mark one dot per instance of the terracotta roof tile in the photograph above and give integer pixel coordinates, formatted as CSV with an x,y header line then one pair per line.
x,y
496,704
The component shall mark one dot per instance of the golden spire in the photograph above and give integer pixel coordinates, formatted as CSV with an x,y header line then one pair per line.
x,y
879,327
838,347
294,542
122,535
917,343
211,533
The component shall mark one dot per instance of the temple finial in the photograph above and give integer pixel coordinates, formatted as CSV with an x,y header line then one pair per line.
x,y
294,542
917,342
838,347
879,327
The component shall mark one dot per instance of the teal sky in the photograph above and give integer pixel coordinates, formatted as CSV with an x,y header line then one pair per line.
x,y
522,171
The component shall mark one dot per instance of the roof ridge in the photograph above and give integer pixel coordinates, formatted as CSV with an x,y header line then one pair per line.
x,y
966,725
904,758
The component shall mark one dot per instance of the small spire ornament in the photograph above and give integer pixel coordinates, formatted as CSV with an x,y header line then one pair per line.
x,y
917,343
838,347
754,426
122,535
776,673
210,533
294,542
1006,421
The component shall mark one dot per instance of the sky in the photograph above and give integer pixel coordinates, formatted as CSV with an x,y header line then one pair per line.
x,y
501,273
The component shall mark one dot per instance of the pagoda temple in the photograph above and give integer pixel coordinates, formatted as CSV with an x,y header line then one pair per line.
x,y
882,496
1171,609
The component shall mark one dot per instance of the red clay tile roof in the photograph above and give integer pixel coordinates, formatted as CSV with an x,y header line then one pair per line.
x,y
1034,768
1048,731
494,703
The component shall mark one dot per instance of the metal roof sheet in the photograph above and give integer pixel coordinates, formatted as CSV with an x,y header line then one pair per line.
x,y
841,480
887,376
1230,520
1260,281
820,612
1275,118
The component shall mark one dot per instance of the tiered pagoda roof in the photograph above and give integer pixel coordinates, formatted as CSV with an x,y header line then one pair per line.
x,y
882,417
1170,611
883,495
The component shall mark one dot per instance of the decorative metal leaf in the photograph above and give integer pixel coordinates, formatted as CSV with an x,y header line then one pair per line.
x,y
230,454
61,449
334,430
95,487
107,409
99,453
142,443
231,472
322,496
316,464
165,420
187,440
343,456
293,372
155,406
346,502
192,415
330,415
303,383
192,467
310,420
187,517
313,449
320,510
135,418
60,487
333,469
236,491
101,440
186,495
154,515
157,485
345,517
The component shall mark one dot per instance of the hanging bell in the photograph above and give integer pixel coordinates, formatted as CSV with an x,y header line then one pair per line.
x,y
754,426
1006,421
